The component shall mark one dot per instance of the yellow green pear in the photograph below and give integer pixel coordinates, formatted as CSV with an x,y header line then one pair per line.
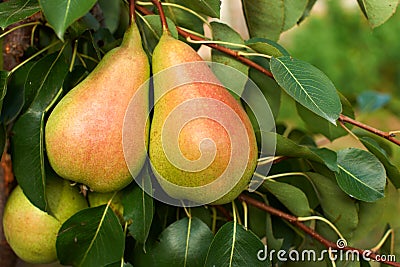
x,y
202,145
31,232
97,199
84,132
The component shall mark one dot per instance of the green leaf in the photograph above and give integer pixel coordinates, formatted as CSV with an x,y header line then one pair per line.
x,y
91,237
111,11
47,75
294,9
138,207
267,47
183,243
264,18
338,207
14,98
17,10
235,246
222,32
308,86
3,85
318,125
152,31
85,23
286,147
392,171
307,10
183,18
378,11
361,174
290,196
62,13
273,241
210,8
269,88
373,220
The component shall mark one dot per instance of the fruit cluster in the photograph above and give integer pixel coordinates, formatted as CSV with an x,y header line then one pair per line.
x,y
92,140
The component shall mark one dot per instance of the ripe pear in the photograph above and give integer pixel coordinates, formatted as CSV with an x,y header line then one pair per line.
x,y
186,157
31,232
84,132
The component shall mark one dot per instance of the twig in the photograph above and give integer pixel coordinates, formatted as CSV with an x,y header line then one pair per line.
x,y
387,135
164,23
224,212
294,220
131,11
236,54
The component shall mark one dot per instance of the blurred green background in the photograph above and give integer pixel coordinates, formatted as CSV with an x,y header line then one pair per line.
x,y
337,39
363,63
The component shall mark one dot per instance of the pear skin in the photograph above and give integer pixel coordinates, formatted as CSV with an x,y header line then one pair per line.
x,y
83,133
193,138
31,232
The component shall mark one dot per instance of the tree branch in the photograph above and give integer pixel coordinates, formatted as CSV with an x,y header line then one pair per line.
x,y
7,256
368,128
328,244
164,23
254,65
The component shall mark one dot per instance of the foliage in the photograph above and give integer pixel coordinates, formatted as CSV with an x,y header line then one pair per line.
x,y
306,179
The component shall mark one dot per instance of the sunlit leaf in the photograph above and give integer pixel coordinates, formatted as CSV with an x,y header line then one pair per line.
x,y
92,237
267,47
264,18
47,75
294,9
308,86
378,11
62,13
361,174
16,10
235,246
307,10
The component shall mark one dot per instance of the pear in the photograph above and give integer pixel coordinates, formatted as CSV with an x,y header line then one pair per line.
x,y
84,132
31,232
202,146
97,199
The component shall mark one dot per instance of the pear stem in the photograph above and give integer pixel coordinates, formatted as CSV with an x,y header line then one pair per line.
x,y
164,23
235,54
131,11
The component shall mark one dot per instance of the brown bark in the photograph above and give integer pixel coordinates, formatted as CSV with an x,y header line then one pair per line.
x,y
14,46
7,256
